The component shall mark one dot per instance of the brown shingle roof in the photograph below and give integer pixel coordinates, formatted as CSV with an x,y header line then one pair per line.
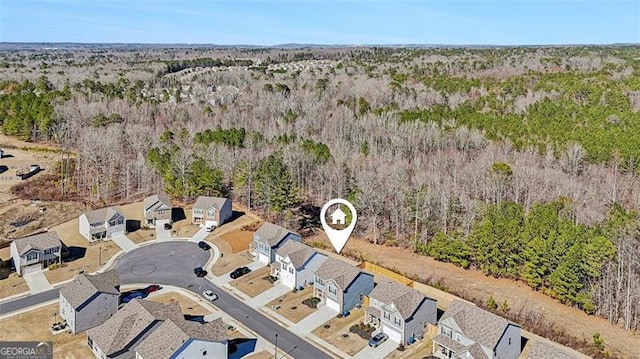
x,y
298,253
477,324
102,214
204,202
170,335
449,343
39,241
129,322
339,271
546,351
84,286
271,234
160,197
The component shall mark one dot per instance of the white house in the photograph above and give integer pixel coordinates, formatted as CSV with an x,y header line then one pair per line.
x,y
296,263
33,253
103,223
89,300
340,285
268,239
466,331
338,216
401,312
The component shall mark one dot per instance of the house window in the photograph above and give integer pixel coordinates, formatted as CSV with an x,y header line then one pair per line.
x,y
291,270
387,316
446,331
31,256
90,342
112,223
333,290
509,341
120,220
459,337
397,321
319,281
211,213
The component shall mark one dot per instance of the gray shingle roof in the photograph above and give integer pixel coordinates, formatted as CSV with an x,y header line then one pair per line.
x,y
339,271
406,299
449,343
129,322
477,324
387,290
39,241
160,197
299,253
475,350
546,351
102,214
84,286
271,234
204,202
170,335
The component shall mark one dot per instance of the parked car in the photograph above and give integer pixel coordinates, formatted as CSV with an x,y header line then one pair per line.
x,y
209,294
199,272
134,295
378,339
204,245
167,226
239,272
210,227
152,288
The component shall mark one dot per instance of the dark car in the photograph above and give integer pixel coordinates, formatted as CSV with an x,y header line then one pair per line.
x,y
167,226
199,272
204,245
239,272
133,296
378,339
152,288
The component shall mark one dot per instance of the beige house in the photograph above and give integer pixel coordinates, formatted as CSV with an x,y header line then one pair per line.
x,y
211,211
36,252
157,209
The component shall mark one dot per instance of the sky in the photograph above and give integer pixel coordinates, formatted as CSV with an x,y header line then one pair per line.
x,y
348,22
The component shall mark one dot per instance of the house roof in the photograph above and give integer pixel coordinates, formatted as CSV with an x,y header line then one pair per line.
x,y
85,286
172,334
204,202
449,343
298,253
102,214
477,324
39,241
129,322
160,197
545,351
475,350
339,271
405,299
271,233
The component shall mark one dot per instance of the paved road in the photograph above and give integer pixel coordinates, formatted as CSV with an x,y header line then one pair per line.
x,y
25,302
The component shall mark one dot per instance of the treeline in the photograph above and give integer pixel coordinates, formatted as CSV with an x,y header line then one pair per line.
x,y
179,65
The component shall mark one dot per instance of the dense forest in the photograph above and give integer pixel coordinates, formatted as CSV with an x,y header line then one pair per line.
x,y
520,162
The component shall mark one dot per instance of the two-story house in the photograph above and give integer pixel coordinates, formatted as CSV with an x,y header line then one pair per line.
x,y
296,263
33,253
401,312
467,331
104,223
211,211
89,300
340,285
157,208
268,239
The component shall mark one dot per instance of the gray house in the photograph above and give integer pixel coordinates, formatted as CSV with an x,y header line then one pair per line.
x,y
296,263
33,253
104,223
268,239
340,285
89,300
157,208
466,331
213,211
400,311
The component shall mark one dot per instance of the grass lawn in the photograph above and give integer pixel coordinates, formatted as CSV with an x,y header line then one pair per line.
x,y
253,283
339,335
229,260
238,239
260,355
142,235
290,300
12,285
34,326
95,252
188,305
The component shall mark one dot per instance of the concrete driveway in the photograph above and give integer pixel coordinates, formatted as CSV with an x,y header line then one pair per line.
x,y
161,233
380,352
37,282
124,243
314,320
200,235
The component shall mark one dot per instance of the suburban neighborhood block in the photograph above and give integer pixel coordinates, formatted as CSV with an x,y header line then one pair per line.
x,y
340,285
103,223
467,331
401,312
211,211
157,208
268,239
33,253
89,300
296,263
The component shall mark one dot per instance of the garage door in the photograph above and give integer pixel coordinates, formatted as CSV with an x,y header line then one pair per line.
x,y
263,258
393,334
117,234
32,268
333,305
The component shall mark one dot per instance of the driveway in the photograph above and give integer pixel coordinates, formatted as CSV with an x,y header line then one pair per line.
x,y
314,320
200,235
125,243
161,233
37,282
380,352
265,297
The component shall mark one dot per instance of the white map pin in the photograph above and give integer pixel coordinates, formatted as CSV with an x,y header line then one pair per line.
x,y
338,237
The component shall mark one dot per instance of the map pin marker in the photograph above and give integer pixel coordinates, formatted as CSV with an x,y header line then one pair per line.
x,y
338,237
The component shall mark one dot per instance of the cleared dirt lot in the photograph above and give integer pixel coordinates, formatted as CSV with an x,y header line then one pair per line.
x,y
253,283
338,328
188,305
35,324
238,239
12,285
291,300
260,355
229,261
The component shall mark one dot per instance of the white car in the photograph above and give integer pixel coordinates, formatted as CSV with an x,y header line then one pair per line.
x,y
210,295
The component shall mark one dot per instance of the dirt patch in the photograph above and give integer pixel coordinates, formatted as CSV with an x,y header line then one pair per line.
x,y
260,355
253,283
19,218
238,239
291,300
12,285
95,256
338,328
417,350
229,261
188,305
34,325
